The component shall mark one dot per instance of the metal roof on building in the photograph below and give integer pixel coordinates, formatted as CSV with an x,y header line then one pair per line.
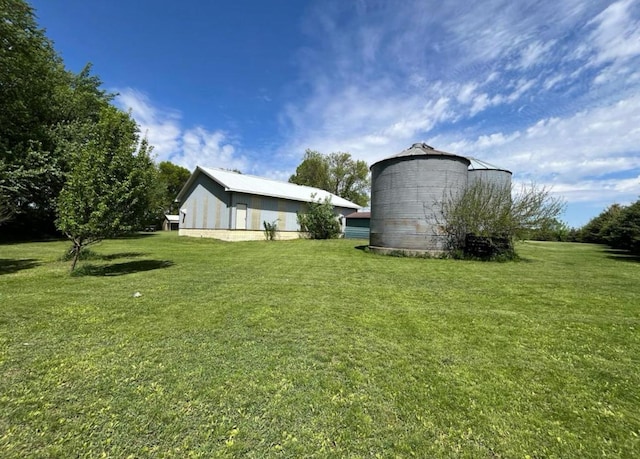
x,y
358,215
251,184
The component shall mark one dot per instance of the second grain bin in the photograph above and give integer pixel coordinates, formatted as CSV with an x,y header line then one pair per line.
x,y
488,173
407,191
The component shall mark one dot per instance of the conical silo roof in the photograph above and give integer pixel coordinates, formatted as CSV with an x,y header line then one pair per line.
x,y
478,164
420,149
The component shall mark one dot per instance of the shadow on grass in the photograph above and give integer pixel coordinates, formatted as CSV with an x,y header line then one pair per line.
x,y
622,255
115,256
140,235
9,266
39,240
120,269
521,259
90,255
516,259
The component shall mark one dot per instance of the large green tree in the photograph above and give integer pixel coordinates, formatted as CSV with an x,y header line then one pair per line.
x,y
597,229
38,99
30,73
337,173
312,171
617,226
172,178
624,232
109,188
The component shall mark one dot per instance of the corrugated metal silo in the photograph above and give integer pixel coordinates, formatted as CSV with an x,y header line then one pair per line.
x,y
406,195
488,173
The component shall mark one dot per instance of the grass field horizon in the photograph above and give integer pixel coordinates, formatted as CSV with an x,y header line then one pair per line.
x,y
316,349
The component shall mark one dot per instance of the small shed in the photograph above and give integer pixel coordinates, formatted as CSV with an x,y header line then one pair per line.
x,y
171,223
357,225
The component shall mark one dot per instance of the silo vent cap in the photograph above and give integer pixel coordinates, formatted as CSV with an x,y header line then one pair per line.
x,y
422,145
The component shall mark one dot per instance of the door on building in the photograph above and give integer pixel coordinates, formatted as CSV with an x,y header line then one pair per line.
x,y
241,216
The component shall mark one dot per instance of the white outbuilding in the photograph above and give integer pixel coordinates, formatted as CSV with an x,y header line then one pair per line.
x,y
231,206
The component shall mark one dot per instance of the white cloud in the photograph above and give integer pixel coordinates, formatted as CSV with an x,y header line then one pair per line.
x,y
553,81
534,52
613,73
206,148
494,29
522,86
190,147
592,152
494,140
377,71
617,34
480,102
465,95
367,126
600,193
161,127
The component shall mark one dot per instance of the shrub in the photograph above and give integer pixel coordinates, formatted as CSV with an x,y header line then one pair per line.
x,y
485,219
270,230
319,221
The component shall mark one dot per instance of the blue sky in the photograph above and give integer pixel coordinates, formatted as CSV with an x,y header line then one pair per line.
x,y
547,89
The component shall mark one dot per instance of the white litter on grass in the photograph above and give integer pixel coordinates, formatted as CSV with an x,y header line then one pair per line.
x,y
137,295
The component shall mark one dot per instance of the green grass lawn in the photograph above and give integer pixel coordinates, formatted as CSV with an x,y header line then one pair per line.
x,y
317,349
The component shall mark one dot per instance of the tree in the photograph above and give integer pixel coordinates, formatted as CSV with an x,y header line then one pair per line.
x,y
5,209
30,73
5,212
38,97
617,226
172,178
487,217
319,220
312,171
349,178
596,230
106,193
551,230
624,232
337,173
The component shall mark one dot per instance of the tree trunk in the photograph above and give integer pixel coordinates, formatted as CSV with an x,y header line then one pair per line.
x,y
77,246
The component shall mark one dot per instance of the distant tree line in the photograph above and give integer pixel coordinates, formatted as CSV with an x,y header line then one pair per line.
x,y
617,226
68,156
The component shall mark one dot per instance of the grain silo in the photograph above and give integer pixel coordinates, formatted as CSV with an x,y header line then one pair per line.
x,y
488,173
406,197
